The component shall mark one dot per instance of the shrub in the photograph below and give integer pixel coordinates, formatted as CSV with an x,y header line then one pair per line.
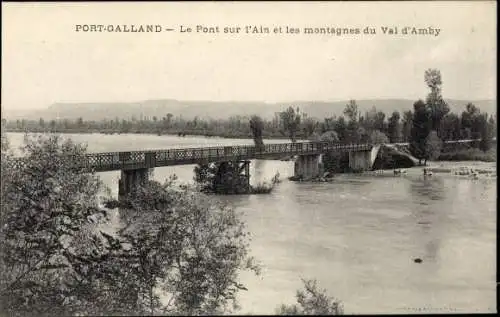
x,y
312,301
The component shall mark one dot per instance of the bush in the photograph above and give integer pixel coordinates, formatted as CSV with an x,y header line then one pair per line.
x,y
312,301
469,155
262,188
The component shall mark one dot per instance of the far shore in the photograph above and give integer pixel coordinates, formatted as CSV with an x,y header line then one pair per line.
x,y
471,154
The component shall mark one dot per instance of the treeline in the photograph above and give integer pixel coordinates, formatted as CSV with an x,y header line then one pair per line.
x,y
425,126
352,126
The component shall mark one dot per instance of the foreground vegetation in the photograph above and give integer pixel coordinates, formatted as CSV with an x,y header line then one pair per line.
x,y
176,251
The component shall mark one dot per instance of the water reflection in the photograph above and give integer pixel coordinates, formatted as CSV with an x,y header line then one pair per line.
x,y
258,171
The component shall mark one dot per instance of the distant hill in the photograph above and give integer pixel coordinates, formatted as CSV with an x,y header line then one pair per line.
x,y
220,110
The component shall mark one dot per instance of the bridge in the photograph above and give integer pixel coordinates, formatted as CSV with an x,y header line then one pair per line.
x,y
135,165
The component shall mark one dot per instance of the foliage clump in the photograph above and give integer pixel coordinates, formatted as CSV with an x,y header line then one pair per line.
x,y
312,301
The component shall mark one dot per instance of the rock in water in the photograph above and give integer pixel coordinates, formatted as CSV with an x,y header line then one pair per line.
x,y
417,260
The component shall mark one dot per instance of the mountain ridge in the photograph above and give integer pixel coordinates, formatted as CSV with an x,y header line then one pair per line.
x,y
188,109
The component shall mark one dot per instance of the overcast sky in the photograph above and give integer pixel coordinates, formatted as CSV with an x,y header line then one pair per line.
x,y
45,61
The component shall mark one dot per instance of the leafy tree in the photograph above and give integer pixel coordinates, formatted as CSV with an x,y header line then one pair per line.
x,y
291,122
433,145
187,245
352,113
257,126
438,108
329,136
309,126
394,128
341,129
485,132
378,137
351,110
48,211
379,123
407,125
492,126
421,127
221,178
451,127
328,124
332,161
361,135
312,301
469,121
79,122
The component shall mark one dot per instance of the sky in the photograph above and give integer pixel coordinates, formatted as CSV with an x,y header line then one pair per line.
x,y
44,59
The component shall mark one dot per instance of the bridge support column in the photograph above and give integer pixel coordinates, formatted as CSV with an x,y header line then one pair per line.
x,y
360,161
307,166
130,180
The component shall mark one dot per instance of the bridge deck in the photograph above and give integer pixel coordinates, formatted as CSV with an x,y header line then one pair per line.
x,y
112,161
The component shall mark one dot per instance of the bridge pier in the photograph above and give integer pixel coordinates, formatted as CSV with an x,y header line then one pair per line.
x,y
360,161
307,166
131,179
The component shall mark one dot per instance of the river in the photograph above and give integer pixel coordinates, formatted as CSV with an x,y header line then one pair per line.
x,y
358,235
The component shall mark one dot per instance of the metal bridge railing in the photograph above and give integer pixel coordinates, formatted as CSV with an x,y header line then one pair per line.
x,y
108,161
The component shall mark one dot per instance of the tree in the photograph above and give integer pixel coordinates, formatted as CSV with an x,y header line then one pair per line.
x,y
351,110
451,127
378,137
49,206
186,244
332,161
352,113
438,108
79,122
221,178
312,301
341,129
433,145
291,122
257,126
329,136
309,126
420,129
485,132
407,125
469,121
492,126
394,128
379,122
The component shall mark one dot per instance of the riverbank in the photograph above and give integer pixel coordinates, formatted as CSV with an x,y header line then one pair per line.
x,y
173,132
469,155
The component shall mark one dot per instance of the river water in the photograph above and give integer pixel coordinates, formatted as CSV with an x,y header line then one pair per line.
x,y
358,235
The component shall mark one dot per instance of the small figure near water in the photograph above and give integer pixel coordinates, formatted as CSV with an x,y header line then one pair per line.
x,y
427,173
399,171
276,179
